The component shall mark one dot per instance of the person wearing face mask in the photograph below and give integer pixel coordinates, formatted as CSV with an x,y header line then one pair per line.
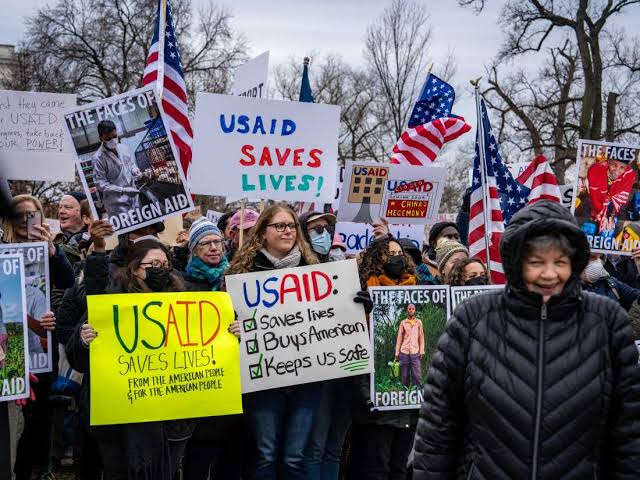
x,y
469,272
115,172
338,249
150,450
596,279
323,453
381,440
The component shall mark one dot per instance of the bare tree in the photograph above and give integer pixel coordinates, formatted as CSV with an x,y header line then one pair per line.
x,y
589,83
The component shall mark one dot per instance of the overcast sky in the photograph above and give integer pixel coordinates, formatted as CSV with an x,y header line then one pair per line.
x,y
296,28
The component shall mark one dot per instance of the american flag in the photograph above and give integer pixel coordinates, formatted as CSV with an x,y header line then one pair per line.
x,y
164,67
506,195
431,125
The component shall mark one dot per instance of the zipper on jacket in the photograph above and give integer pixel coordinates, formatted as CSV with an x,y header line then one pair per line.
x,y
536,430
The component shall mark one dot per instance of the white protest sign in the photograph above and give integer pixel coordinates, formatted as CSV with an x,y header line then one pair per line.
x,y
264,148
214,216
319,206
401,194
566,195
459,294
251,78
300,325
357,236
33,143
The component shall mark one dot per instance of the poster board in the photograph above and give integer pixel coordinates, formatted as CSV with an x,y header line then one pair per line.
x,y
33,143
357,236
162,356
144,182
300,325
265,149
250,79
38,300
399,386
606,201
401,194
460,294
14,366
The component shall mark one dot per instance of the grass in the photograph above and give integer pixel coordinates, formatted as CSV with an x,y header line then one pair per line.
x,y
14,362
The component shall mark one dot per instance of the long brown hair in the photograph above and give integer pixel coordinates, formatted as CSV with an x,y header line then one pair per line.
x,y
9,233
456,275
244,257
376,255
135,256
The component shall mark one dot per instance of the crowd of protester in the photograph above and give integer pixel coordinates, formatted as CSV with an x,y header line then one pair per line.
x,y
488,411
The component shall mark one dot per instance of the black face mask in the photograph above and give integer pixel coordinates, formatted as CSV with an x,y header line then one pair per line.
x,y
157,278
394,267
476,281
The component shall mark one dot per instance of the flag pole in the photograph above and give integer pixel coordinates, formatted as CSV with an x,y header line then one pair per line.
x,y
161,38
483,172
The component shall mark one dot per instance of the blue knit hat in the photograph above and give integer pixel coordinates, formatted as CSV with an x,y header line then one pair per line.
x,y
200,229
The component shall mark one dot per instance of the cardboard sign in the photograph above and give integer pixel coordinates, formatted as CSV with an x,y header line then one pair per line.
x,y
14,369
213,216
566,195
460,294
251,78
137,179
264,148
162,356
401,194
358,236
404,341
33,143
300,325
38,300
607,199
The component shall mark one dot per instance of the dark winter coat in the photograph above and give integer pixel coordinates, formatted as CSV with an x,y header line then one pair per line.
x,y
522,390
614,289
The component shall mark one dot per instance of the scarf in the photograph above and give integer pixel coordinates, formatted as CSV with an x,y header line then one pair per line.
x,y
292,259
201,271
384,281
423,273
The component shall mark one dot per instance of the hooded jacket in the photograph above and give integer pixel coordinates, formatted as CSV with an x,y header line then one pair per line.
x,y
522,390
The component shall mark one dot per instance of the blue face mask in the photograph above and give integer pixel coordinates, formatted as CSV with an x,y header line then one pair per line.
x,y
320,242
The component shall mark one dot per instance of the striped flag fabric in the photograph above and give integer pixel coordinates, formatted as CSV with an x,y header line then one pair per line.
x,y
430,125
164,68
505,195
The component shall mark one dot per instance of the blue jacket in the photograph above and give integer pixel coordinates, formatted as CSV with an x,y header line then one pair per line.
x,y
614,289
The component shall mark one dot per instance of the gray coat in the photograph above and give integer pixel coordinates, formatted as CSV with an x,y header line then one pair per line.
x,y
114,177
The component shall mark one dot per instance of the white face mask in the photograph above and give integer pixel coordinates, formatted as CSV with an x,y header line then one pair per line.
x,y
594,271
111,144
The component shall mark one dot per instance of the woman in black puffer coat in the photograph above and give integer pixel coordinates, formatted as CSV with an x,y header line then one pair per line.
x,y
540,381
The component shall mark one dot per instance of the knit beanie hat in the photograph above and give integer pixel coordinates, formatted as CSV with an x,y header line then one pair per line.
x,y
200,229
79,196
445,250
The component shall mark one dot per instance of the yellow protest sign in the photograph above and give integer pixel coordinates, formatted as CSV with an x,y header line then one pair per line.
x,y
163,356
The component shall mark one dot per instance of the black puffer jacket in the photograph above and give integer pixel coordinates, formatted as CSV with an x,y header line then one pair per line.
x,y
518,390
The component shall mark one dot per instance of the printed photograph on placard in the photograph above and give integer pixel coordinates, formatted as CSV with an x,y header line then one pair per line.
x,y
14,367
406,323
127,160
607,198
35,257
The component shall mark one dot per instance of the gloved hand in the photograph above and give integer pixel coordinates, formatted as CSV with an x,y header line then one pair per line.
x,y
364,298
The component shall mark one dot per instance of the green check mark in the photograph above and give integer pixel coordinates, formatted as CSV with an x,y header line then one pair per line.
x,y
252,345
250,324
255,371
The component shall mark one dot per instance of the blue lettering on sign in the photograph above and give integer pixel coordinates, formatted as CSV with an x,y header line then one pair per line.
x,y
244,124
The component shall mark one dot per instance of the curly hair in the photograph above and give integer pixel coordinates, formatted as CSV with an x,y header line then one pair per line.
x,y
456,275
244,257
375,256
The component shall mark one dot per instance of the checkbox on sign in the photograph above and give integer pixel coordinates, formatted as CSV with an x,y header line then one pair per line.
x,y
255,371
252,346
250,325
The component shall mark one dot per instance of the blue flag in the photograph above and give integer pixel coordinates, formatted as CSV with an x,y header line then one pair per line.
x,y
435,101
305,87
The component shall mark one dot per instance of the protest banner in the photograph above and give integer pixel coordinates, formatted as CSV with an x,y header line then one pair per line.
x,y
401,316
250,79
302,207
264,148
399,193
607,198
162,356
14,369
460,294
33,143
132,177
358,236
214,216
300,325
566,195
35,257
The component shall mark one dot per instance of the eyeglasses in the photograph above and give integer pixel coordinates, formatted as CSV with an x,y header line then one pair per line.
x,y
155,264
319,229
209,243
281,227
